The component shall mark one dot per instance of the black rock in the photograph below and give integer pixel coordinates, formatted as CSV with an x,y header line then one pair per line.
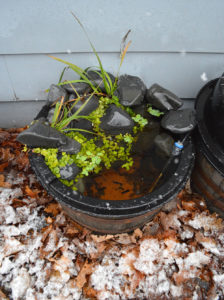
x,y
72,97
50,115
131,90
80,87
43,113
164,144
116,121
56,93
40,134
69,172
116,93
97,80
162,98
179,121
83,124
141,110
92,104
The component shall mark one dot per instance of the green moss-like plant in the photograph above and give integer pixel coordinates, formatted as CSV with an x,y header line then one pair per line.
x,y
100,151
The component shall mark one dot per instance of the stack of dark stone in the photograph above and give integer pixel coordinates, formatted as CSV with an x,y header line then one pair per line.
x,y
132,93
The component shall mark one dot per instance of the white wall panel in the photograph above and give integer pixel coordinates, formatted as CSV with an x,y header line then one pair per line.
x,y
6,87
45,26
183,74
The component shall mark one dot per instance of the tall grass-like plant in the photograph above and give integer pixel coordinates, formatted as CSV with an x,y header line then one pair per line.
x,y
62,115
101,150
110,87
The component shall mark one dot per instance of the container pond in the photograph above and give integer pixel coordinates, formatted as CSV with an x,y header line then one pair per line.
x,y
118,199
100,148
208,175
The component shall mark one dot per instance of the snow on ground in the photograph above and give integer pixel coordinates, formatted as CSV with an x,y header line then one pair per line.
x,y
45,255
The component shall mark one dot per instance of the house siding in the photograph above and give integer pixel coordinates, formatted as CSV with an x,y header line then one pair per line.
x,y
176,43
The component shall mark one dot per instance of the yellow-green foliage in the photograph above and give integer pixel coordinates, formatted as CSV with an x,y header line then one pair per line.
x,y
100,151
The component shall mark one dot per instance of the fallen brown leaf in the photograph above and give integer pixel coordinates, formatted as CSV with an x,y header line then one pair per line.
x,y
189,205
5,154
3,296
45,231
184,276
49,220
4,135
90,292
49,244
18,203
101,238
31,193
3,166
123,238
71,231
22,161
3,183
137,234
53,208
136,279
86,270
61,263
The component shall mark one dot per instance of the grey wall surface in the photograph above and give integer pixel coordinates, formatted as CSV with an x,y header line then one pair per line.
x,y
176,43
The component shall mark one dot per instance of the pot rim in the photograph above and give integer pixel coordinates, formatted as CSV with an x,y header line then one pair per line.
x,y
210,148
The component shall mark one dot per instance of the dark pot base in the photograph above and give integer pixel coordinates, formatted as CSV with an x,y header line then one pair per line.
x,y
208,175
112,226
107,216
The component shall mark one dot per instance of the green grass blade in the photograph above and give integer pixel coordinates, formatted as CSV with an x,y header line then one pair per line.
x,y
95,52
70,81
54,119
109,81
67,121
62,74
76,69
75,115
78,129
84,104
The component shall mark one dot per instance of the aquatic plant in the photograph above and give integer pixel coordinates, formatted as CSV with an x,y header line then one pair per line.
x,y
101,150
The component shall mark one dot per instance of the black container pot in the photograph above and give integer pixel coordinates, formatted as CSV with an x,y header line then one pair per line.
x,y
208,175
107,216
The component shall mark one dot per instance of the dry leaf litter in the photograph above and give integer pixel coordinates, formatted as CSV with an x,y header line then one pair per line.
x,y
46,255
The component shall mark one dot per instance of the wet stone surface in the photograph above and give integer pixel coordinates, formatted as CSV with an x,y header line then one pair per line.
x,y
56,93
91,105
40,134
69,172
83,124
80,87
116,121
50,115
97,80
131,90
162,98
180,121
43,113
